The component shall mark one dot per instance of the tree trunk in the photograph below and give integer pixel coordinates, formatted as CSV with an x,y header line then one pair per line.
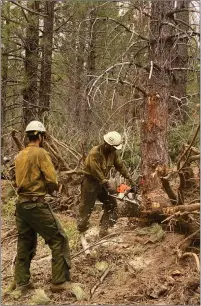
x,y
91,65
4,70
79,75
180,57
85,67
46,62
30,91
154,148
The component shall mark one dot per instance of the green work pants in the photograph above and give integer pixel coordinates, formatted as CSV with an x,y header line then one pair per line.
x,y
33,218
91,190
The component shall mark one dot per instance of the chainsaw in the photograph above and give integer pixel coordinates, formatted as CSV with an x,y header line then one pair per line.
x,y
125,193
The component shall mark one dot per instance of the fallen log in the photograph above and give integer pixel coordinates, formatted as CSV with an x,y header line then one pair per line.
x,y
179,217
181,208
156,208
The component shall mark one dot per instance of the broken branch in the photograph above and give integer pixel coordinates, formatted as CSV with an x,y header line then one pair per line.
x,y
187,151
99,281
195,257
16,140
187,238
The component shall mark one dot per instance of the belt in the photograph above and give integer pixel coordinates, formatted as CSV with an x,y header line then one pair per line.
x,y
24,199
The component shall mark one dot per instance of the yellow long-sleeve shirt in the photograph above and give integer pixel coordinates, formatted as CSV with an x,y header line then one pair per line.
x,y
98,165
35,173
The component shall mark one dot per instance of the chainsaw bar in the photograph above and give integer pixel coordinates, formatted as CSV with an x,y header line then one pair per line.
x,y
124,198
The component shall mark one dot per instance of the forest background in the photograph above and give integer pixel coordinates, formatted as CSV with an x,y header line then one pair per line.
x,y
87,67
84,68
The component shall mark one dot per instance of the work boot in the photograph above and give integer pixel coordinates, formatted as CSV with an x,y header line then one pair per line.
x,y
61,287
25,288
17,291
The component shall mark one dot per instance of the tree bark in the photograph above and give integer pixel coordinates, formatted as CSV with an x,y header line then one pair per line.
x,y
154,148
85,66
30,91
4,69
46,62
180,57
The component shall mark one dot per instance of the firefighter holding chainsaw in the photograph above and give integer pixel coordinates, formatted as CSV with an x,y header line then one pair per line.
x,y
35,177
95,184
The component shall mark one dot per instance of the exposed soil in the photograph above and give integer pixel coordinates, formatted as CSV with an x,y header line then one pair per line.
x,y
143,269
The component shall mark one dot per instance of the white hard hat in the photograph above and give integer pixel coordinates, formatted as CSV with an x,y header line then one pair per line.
x,y
114,139
35,126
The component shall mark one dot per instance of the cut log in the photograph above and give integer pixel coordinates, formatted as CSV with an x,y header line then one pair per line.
x,y
189,208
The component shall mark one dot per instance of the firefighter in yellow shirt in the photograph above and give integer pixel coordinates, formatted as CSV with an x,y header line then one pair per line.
x,y
95,183
35,177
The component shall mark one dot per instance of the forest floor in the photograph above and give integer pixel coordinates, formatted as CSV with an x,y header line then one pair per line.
x,y
141,262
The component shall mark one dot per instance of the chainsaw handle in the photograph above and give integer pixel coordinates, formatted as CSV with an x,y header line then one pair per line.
x,y
134,189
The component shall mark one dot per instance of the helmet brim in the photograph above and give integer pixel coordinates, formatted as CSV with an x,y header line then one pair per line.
x,y
119,147
116,147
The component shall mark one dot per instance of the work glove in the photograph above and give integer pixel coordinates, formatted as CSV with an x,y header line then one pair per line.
x,y
134,186
134,189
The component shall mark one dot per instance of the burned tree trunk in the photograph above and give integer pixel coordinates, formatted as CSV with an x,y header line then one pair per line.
x,y
154,148
46,61
30,91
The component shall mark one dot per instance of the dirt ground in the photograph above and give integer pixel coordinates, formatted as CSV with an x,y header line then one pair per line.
x,y
143,266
